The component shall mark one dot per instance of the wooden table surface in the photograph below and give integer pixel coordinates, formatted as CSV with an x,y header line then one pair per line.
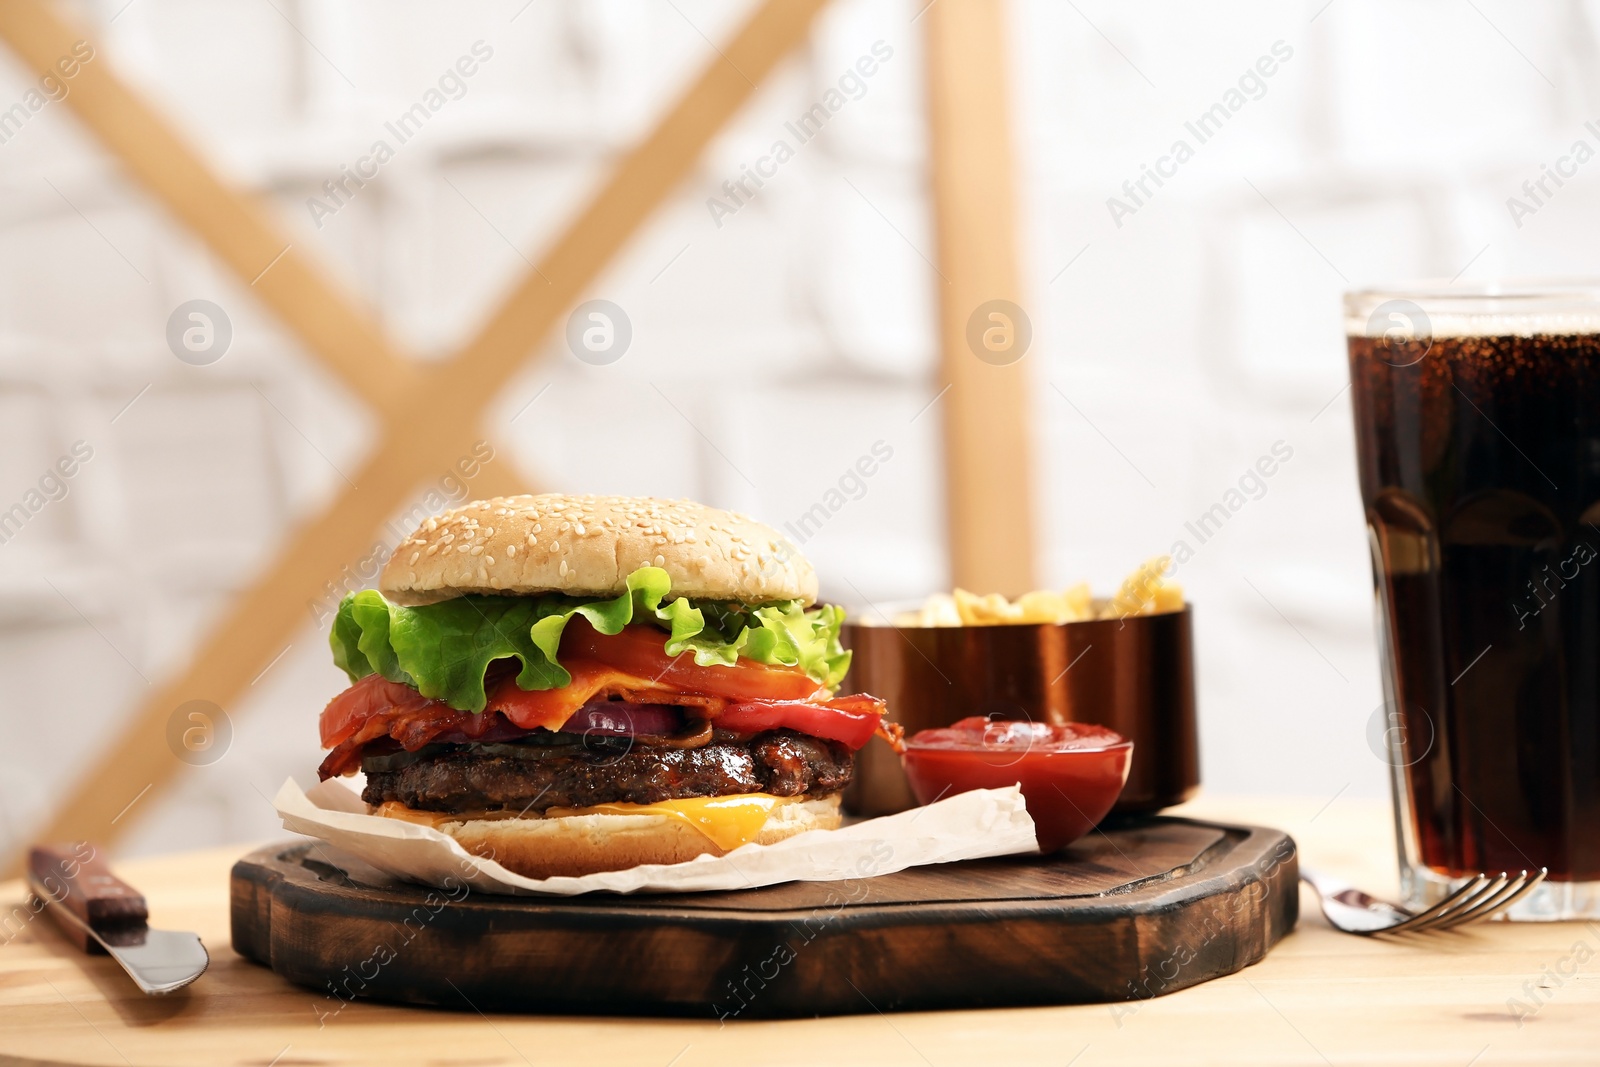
x,y
1495,994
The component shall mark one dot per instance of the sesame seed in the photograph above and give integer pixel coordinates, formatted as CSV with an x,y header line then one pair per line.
x,y
477,550
563,568
660,559
463,547
489,560
555,546
511,551
415,556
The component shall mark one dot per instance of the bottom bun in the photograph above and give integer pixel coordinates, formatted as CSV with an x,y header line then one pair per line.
x,y
574,845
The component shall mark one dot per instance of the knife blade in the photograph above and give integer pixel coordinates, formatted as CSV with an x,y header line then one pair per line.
x,y
97,910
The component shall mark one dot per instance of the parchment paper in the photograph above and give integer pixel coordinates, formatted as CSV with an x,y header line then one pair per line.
x,y
971,825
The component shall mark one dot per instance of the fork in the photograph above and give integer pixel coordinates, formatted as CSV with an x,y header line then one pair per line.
x,y
1351,911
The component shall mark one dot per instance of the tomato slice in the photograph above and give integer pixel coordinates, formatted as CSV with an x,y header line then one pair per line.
x,y
641,651
851,720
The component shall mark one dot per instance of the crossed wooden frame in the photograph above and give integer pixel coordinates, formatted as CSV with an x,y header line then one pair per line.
x,y
430,413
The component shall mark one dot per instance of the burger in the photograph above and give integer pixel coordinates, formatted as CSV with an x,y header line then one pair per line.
x,y
572,684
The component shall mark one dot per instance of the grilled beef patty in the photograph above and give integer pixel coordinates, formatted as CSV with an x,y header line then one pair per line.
x,y
456,778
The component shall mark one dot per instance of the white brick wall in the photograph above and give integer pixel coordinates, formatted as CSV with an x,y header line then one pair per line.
x,y
792,337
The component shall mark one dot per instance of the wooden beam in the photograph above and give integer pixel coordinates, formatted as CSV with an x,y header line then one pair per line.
x,y
431,424
988,470
237,228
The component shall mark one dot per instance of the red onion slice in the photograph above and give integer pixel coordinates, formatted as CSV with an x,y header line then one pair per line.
x,y
614,718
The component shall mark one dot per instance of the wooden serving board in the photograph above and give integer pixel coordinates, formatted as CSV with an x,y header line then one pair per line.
x,y
1142,909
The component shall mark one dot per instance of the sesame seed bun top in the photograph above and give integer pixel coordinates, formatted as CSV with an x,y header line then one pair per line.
x,y
588,545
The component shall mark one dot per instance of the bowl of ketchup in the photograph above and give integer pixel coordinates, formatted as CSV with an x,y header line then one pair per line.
x,y
1070,773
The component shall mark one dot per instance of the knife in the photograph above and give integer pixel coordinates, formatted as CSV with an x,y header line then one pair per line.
x,y
98,911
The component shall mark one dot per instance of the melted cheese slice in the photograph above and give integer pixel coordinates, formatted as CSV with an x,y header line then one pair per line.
x,y
550,708
728,821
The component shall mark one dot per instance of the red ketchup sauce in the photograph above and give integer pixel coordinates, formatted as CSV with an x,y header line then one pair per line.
x,y
1070,774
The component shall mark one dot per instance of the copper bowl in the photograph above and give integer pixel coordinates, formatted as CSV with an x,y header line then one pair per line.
x,y
1134,675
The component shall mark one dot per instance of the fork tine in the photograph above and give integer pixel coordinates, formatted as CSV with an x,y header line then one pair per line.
x,y
1485,887
1425,918
1529,882
1491,902
1502,886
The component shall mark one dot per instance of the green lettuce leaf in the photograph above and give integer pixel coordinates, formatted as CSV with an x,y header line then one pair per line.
x,y
444,649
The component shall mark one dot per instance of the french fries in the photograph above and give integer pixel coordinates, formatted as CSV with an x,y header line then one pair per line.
x,y
1145,592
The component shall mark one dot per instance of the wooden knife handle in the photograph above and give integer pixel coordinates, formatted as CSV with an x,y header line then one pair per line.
x,y
76,878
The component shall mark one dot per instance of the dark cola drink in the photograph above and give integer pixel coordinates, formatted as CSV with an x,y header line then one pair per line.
x,y
1478,435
